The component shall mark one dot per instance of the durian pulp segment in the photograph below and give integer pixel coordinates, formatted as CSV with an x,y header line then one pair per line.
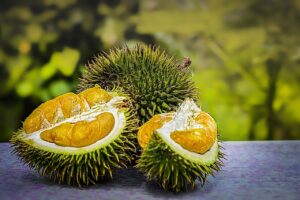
x,y
183,120
35,140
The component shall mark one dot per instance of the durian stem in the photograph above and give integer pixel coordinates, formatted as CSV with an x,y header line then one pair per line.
x,y
185,63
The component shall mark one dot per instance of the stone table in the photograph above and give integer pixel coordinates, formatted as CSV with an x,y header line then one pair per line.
x,y
253,170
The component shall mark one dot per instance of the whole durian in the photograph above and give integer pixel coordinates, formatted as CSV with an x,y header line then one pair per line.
x,y
179,147
154,81
78,138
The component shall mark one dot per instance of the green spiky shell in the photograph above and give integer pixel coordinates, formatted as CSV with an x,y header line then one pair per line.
x,y
154,81
171,171
83,168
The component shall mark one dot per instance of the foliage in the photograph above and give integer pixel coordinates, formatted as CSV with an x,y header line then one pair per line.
x,y
246,61
245,54
45,45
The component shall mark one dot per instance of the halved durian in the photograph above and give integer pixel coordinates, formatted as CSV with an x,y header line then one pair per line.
x,y
78,139
179,147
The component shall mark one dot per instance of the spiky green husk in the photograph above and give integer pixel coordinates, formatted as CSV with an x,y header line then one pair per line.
x,y
170,170
80,169
154,81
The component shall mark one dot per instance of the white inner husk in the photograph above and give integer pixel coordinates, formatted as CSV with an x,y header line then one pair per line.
x,y
90,115
183,120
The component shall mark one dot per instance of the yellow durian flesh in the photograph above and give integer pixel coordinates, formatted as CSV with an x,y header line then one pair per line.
x,y
146,130
198,140
82,133
63,107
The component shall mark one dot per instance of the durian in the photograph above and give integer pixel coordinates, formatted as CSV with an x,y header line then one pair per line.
x,y
179,147
78,139
155,82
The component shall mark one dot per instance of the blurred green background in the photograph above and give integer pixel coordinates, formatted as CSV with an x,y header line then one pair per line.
x,y
245,55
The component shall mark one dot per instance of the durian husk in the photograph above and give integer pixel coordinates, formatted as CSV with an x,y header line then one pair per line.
x,y
83,167
155,81
170,170
179,150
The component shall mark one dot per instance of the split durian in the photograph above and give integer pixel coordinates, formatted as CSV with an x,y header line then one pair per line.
x,y
78,139
179,147
154,81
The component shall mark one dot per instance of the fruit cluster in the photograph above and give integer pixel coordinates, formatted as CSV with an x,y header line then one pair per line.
x,y
135,106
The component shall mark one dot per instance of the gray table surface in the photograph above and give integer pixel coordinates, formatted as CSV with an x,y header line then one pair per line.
x,y
253,170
